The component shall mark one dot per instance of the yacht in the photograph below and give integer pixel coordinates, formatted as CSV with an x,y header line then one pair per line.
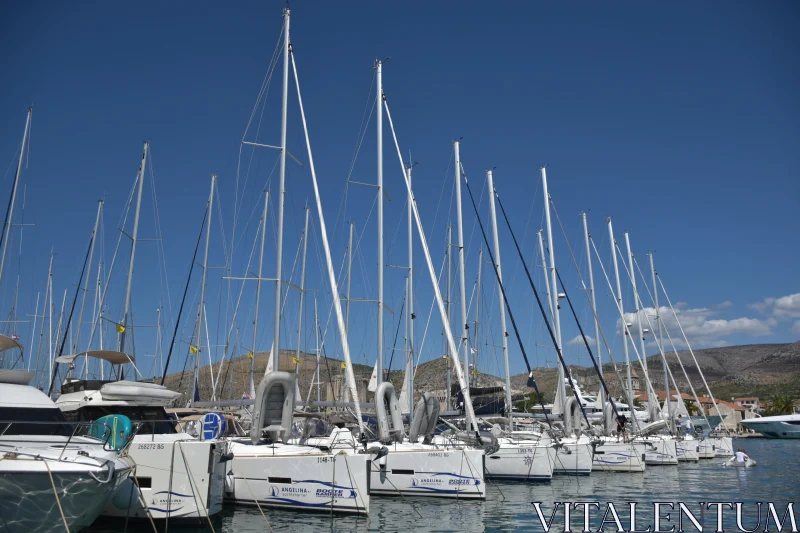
x,y
53,475
180,476
775,427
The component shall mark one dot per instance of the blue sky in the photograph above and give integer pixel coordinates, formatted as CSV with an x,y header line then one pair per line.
x,y
679,121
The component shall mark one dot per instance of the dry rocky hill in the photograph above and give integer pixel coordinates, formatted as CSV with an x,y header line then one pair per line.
x,y
748,370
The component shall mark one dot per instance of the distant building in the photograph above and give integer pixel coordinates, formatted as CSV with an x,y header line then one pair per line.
x,y
731,413
750,403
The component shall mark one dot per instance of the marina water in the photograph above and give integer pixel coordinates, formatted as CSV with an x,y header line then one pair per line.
x,y
508,506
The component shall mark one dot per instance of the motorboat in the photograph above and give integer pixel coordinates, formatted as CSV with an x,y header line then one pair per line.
x,y
179,475
775,427
53,474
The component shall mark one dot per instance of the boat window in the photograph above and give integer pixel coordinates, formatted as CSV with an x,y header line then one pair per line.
x,y
154,420
39,421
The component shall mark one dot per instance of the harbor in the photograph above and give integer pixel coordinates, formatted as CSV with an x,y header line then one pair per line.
x,y
290,327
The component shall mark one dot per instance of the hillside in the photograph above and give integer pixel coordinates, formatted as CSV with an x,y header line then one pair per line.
x,y
749,370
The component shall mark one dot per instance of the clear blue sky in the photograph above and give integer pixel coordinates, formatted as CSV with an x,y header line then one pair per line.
x,y
681,121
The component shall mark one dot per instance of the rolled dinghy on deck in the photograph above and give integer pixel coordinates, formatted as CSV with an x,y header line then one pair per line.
x,y
274,406
426,415
387,409
133,391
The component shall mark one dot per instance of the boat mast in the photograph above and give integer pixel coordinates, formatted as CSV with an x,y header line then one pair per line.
x,y
346,333
470,377
461,273
554,288
88,274
600,399
670,419
453,356
500,297
198,328
622,316
258,298
410,302
379,122
13,200
316,336
302,298
275,353
650,393
134,235
50,316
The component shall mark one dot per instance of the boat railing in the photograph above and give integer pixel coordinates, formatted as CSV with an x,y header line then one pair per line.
x,y
73,429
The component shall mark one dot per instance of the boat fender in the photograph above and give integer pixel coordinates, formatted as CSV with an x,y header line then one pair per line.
x,y
274,405
387,410
572,417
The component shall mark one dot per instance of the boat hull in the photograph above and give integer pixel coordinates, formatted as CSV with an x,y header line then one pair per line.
x,y
723,446
777,427
707,449
298,478
179,477
431,472
520,461
27,502
610,456
661,452
572,458
688,450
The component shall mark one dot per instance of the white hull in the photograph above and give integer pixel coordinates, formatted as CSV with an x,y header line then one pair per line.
x,y
572,458
688,450
84,485
298,477
520,460
723,446
662,451
612,456
179,476
707,449
775,427
432,471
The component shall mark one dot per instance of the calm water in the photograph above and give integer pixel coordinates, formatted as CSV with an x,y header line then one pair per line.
x,y
508,506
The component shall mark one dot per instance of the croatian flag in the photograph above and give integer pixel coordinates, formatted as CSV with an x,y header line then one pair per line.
x,y
14,336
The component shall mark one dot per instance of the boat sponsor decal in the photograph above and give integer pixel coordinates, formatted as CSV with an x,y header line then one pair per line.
x,y
167,498
329,490
437,481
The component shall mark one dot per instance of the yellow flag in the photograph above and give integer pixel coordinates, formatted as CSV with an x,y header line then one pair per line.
x,y
193,349
474,371
249,355
344,365
120,328
296,360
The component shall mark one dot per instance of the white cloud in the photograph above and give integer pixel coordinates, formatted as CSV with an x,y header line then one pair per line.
x,y
787,306
796,328
699,324
727,304
763,306
578,340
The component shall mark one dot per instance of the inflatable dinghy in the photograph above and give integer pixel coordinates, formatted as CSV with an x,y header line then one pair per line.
x,y
733,462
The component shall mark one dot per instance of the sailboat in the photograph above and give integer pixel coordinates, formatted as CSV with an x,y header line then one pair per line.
x,y
268,469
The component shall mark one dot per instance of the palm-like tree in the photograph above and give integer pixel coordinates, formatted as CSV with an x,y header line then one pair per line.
x,y
778,404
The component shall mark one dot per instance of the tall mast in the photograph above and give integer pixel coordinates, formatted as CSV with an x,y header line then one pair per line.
x,y
453,355
410,302
349,273
600,398
134,235
13,200
258,298
275,353
88,274
477,317
670,419
500,297
302,298
554,288
50,316
636,299
461,274
622,315
316,336
198,328
379,122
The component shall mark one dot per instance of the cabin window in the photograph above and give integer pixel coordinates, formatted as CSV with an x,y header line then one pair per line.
x,y
284,480
403,472
39,421
153,420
